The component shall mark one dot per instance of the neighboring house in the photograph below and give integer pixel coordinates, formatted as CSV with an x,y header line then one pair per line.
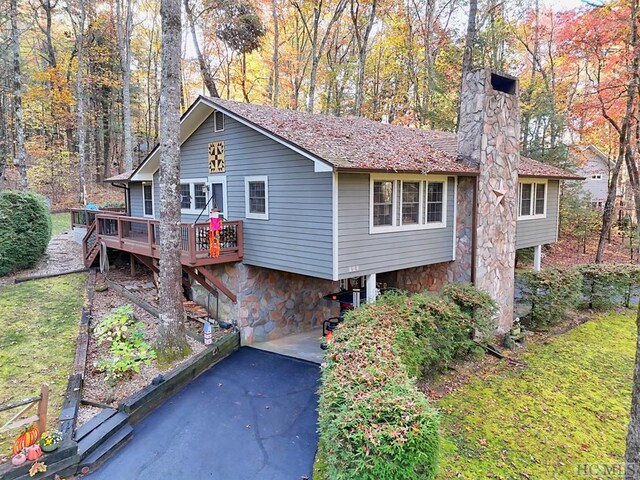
x,y
592,164
316,203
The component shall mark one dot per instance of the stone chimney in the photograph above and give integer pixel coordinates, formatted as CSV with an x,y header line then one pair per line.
x,y
489,135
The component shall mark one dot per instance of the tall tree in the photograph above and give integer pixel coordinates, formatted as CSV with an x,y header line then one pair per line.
x,y
274,78
241,29
470,38
362,25
317,37
79,26
205,69
124,27
20,153
171,343
632,453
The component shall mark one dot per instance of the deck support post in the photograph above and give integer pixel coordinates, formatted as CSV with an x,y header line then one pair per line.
x,y
132,262
372,291
537,257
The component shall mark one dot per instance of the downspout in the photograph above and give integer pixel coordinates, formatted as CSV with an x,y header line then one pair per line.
x,y
474,228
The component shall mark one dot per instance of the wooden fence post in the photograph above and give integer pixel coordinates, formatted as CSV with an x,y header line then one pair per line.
x,y
42,407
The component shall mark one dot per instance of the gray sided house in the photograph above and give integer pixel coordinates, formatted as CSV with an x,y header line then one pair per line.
x,y
315,203
591,163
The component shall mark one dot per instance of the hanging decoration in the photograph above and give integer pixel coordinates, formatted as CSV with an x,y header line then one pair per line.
x,y
215,225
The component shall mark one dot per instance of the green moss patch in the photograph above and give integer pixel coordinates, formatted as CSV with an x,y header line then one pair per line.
x,y
568,406
39,323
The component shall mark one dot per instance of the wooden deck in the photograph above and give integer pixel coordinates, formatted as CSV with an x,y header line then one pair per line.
x,y
140,236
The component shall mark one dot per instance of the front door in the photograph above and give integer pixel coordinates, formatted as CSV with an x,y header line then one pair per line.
x,y
217,191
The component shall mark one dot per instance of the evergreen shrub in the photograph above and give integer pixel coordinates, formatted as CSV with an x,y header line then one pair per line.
x,y
374,422
25,230
552,294
607,285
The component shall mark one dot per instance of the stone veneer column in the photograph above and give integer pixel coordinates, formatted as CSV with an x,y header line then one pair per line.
x,y
489,134
460,270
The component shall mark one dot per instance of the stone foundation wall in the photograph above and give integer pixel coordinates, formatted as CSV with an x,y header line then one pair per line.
x,y
426,278
270,303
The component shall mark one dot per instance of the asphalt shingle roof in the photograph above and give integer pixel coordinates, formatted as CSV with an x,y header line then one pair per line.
x,y
356,143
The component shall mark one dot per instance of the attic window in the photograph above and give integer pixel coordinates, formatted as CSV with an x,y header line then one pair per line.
x,y
218,121
503,84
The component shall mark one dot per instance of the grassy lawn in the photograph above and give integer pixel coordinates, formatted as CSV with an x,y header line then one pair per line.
x,y
60,223
568,406
38,329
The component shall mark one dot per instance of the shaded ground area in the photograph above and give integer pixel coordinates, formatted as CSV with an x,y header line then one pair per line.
x,y
568,252
253,416
39,323
567,406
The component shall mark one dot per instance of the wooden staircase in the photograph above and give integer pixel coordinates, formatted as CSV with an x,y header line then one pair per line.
x,y
90,245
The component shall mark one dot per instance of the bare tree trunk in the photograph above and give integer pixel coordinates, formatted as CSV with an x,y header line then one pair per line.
x,y
205,71
171,343
362,40
124,29
243,80
467,59
274,79
632,453
20,154
607,211
80,104
318,42
49,50
3,137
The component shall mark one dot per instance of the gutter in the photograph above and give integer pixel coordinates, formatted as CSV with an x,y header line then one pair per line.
x,y
405,172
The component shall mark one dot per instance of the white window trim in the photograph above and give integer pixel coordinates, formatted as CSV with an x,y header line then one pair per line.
x,y
153,203
192,202
215,121
533,182
397,202
256,178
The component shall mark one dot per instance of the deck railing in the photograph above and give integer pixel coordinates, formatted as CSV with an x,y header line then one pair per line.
x,y
142,236
82,217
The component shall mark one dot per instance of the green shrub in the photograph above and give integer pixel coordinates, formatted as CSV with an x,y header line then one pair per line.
x,y
552,293
434,332
606,285
477,304
25,230
128,349
374,423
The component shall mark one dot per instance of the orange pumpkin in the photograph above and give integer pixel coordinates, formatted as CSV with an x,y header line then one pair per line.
x,y
27,438
34,452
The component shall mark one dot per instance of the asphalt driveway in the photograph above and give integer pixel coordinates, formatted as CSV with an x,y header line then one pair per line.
x,y
252,416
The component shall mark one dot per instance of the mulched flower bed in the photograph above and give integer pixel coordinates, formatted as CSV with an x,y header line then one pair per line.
x,y
96,388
